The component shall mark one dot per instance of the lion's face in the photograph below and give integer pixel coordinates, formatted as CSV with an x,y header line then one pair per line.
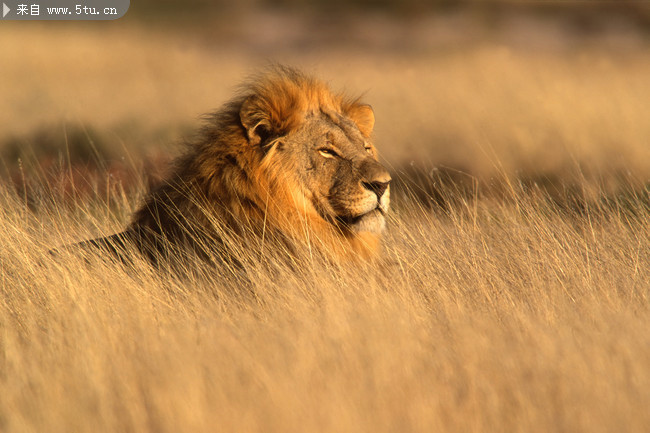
x,y
337,169
316,158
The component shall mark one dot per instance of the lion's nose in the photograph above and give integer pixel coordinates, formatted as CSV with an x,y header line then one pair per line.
x,y
375,177
377,187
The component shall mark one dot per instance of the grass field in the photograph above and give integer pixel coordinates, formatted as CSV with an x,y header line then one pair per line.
x,y
513,295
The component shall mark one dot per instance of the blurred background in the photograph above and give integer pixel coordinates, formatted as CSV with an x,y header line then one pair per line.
x,y
554,95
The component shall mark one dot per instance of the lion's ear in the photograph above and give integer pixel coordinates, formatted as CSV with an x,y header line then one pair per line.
x,y
255,120
363,116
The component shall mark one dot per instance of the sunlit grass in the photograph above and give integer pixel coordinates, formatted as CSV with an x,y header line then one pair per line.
x,y
513,291
494,315
483,108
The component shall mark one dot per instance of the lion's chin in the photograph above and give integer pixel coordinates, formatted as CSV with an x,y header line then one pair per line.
x,y
372,222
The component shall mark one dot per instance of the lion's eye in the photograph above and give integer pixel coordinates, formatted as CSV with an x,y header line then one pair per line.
x,y
327,152
369,149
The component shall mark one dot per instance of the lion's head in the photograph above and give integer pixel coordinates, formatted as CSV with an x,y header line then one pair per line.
x,y
320,144
286,154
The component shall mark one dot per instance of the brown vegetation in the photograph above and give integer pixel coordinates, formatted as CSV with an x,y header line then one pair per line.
x,y
514,296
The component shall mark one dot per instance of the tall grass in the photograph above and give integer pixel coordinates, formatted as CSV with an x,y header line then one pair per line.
x,y
491,315
513,293
483,107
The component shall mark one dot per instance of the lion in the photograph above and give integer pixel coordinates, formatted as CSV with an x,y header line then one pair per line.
x,y
285,159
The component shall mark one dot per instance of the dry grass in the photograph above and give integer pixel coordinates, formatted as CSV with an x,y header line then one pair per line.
x,y
496,317
508,312
484,108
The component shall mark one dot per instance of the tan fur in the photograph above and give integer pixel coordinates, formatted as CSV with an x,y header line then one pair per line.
x,y
234,180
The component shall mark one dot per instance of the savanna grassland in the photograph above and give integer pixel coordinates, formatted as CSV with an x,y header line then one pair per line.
x,y
515,286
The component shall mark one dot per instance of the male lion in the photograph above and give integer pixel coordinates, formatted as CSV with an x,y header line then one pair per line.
x,y
286,159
